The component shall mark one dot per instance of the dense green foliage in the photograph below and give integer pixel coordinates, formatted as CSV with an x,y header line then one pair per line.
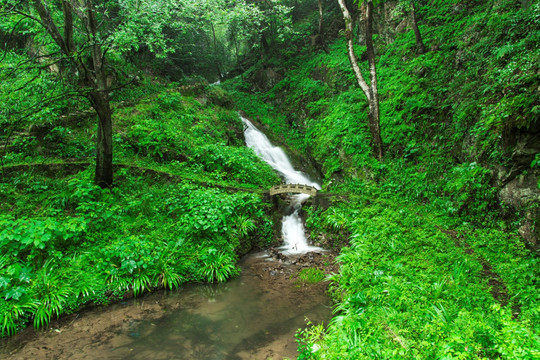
x,y
65,242
429,267
415,284
432,260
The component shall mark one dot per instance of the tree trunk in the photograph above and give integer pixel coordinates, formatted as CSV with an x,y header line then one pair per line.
x,y
236,47
265,45
321,28
370,90
216,57
374,114
417,35
68,25
51,27
104,149
100,102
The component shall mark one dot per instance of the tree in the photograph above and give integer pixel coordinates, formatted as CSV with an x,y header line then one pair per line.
x,y
417,35
408,8
370,90
320,35
272,26
81,37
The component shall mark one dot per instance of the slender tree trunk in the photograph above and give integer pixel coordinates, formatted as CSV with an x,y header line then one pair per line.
x,y
68,25
374,114
218,67
417,35
51,27
236,47
321,27
370,90
264,42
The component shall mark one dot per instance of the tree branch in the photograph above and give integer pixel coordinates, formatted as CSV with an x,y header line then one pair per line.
x,y
68,25
350,45
48,23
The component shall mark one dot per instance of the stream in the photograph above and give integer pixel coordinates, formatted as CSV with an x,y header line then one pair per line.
x,y
293,232
254,316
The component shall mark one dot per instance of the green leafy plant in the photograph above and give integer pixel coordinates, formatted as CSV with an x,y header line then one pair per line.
x,y
470,184
244,225
217,265
35,237
52,293
311,275
14,313
141,282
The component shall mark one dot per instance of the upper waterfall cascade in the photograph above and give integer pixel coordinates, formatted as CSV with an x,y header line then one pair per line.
x,y
294,238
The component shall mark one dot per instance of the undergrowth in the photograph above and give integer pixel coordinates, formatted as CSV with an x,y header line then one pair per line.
x,y
415,283
168,220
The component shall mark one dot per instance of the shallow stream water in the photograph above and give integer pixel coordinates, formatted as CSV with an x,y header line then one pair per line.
x,y
242,319
254,316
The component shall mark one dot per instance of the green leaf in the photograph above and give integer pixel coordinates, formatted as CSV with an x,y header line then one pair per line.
x,y
15,293
25,274
536,161
4,282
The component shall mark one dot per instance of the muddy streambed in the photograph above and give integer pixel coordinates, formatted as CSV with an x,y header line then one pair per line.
x,y
254,316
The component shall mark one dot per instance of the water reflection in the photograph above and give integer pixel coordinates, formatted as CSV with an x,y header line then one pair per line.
x,y
243,319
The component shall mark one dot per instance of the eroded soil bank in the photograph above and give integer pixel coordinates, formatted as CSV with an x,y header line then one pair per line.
x,y
254,316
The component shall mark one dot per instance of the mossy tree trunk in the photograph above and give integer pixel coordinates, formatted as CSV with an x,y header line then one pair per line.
x,y
104,149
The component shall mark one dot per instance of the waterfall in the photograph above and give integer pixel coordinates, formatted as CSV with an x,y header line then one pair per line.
x,y
294,237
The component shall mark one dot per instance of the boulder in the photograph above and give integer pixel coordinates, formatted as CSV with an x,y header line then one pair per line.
x,y
521,196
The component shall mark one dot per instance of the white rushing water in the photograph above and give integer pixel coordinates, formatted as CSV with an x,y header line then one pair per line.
x,y
294,237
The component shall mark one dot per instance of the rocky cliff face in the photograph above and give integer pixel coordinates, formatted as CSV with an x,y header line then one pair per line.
x,y
521,197
519,183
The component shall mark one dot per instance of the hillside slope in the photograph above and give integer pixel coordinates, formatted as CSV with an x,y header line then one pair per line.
x,y
439,240
184,207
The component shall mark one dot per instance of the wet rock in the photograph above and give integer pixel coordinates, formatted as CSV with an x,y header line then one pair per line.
x,y
520,192
521,196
